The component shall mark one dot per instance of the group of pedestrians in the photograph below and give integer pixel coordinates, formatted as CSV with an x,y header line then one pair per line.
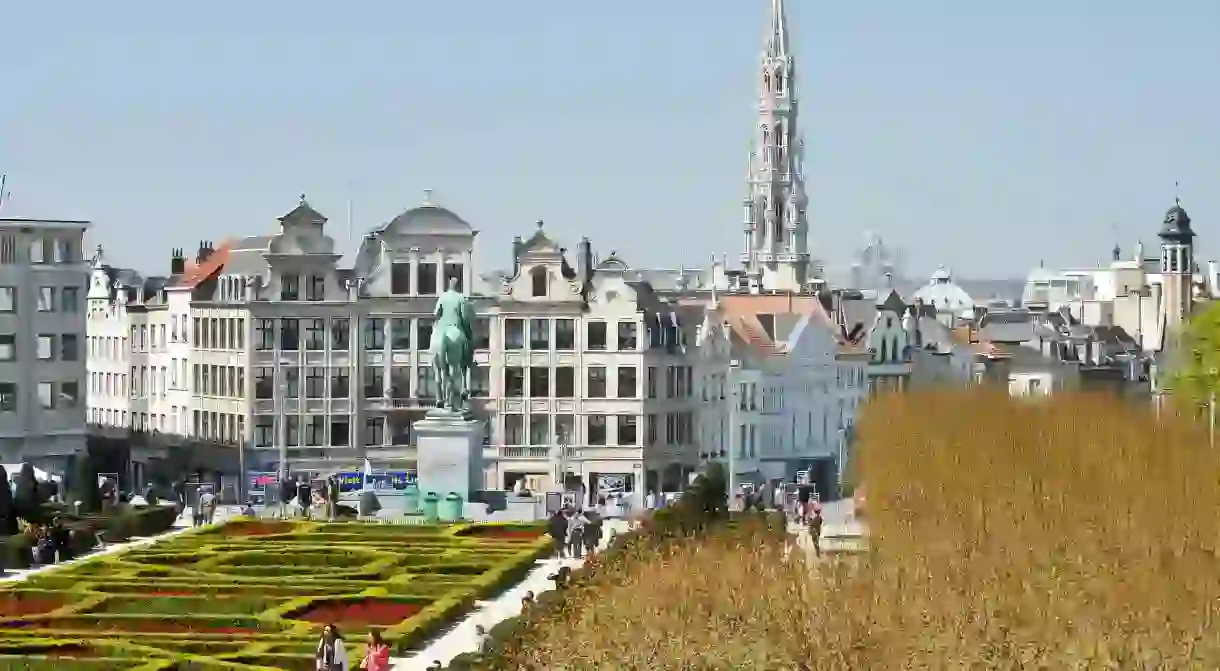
x,y
331,655
575,532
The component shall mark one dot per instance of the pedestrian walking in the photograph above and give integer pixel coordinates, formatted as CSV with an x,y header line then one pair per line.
x,y
557,528
815,530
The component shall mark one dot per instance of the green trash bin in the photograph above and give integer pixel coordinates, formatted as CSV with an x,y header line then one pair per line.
x,y
410,500
430,506
451,508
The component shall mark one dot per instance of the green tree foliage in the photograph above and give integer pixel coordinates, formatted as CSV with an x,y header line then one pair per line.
x,y
85,487
8,516
25,494
1195,369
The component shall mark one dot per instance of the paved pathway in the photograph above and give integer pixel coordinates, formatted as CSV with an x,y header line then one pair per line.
x,y
841,531
181,524
461,638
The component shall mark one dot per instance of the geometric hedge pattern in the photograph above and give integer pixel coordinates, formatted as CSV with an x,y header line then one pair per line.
x,y
251,595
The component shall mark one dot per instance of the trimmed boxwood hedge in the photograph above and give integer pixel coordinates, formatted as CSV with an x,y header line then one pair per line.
x,y
18,551
241,598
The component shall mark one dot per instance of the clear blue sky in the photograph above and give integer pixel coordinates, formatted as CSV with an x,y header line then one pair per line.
x,y
984,135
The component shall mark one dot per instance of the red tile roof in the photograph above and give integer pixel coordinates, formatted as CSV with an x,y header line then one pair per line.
x,y
197,273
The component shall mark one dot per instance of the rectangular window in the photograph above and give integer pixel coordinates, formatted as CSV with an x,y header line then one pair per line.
x,y
292,430
565,334
292,382
597,382
482,333
454,271
596,429
46,346
480,381
596,337
374,334
339,383
69,394
8,347
8,299
340,333
264,382
400,382
315,382
374,431
8,396
627,336
514,334
627,433
340,432
425,280
315,430
400,278
290,334
290,287
540,429
423,335
425,384
69,347
540,382
650,383
239,341
514,381
38,251
46,395
400,334
627,382
315,334
316,290
565,382
374,382
514,429
264,334
70,298
46,299
540,334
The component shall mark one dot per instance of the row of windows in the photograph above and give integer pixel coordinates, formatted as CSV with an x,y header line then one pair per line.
x,y
50,347
426,278
48,249
49,299
51,395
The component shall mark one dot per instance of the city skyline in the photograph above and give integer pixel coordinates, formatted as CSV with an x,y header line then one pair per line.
x,y
1065,128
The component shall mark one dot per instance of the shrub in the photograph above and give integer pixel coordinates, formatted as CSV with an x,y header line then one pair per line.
x,y
85,488
1076,533
8,513
26,500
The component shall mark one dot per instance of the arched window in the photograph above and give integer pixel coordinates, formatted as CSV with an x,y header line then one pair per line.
x,y
767,81
538,282
779,82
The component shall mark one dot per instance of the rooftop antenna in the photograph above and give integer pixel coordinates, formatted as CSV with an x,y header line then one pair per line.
x,y
4,194
1177,200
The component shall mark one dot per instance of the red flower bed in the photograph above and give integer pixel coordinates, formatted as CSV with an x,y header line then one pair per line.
x,y
21,606
254,528
520,533
370,610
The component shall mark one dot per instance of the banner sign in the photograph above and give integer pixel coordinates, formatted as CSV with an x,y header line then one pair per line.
x,y
381,481
262,481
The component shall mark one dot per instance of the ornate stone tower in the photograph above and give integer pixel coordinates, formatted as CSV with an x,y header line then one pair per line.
x,y
1177,266
776,256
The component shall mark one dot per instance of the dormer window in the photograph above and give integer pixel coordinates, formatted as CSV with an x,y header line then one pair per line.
x,y
290,287
538,282
316,289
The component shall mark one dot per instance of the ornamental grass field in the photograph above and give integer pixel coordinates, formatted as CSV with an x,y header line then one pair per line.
x,y
1075,533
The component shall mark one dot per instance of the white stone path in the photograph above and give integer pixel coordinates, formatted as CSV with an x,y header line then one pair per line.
x,y
181,524
461,638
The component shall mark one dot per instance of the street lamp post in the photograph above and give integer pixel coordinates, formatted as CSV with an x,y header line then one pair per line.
x,y
282,433
735,400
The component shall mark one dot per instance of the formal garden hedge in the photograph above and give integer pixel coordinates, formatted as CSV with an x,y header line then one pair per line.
x,y
254,594
17,551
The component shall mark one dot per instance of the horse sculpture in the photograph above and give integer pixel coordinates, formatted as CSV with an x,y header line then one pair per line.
x,y
452,348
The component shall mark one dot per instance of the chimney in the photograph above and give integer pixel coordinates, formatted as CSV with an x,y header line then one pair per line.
x,y
177,262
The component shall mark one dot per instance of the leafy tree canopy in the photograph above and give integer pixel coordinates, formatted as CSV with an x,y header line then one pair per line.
x,y
1195,371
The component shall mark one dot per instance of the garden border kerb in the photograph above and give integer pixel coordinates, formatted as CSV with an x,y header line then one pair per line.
x,y
193,561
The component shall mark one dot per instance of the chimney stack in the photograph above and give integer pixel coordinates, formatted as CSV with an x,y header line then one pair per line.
x,y
177,262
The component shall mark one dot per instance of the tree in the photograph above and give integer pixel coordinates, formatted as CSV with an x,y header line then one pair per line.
x,y
1195,365
8,516
85,485
25,495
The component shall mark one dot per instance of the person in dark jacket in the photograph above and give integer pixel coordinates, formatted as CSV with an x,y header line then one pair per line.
x,y
61,540
304,497
593,532
557,528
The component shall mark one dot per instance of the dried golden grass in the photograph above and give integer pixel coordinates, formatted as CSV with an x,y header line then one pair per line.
x,y
1074,534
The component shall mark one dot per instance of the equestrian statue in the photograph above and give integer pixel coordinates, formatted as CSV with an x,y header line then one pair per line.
x,y
452,348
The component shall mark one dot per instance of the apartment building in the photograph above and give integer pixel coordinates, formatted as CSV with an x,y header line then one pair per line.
x,y
42,330
266,342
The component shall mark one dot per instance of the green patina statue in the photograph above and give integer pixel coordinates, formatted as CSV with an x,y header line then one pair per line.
x,y
452,348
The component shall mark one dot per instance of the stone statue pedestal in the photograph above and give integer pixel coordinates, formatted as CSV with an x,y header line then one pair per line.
x,y
449,456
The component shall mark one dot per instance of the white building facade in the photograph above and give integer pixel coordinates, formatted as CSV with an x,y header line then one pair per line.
x,y
42,341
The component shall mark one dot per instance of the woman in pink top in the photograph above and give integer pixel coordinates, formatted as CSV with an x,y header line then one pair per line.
x,y
376,654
